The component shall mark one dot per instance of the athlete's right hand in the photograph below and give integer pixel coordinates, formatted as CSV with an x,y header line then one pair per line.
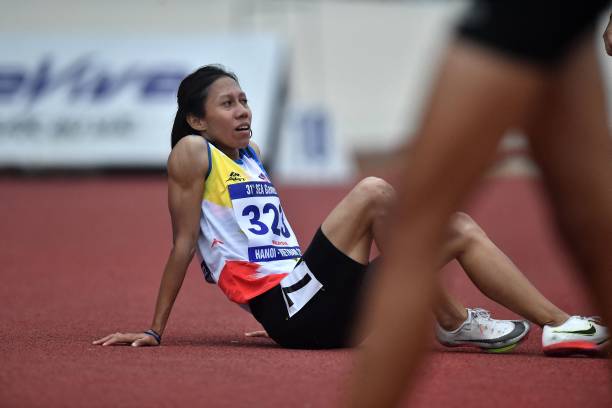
x,y
132,339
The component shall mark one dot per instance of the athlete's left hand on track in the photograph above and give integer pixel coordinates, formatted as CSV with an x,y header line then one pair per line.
x,y
133,339
257,333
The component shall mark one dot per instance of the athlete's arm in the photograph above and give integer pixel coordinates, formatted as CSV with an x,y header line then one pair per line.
x,y
187,168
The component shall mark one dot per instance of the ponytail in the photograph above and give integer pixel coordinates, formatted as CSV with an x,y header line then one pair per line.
x,y
180,128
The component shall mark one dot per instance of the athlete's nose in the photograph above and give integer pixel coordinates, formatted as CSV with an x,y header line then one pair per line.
x,y
242,112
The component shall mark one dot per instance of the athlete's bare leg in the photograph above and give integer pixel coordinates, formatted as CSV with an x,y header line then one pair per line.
x,y
454,147
494,274
571,142
358,220
449,311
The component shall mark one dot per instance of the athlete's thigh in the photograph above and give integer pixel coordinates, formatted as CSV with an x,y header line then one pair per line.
x,y
572,145
570,138
349,225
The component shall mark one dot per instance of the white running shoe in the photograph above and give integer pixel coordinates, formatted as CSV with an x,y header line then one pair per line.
x,y
578,335
479,330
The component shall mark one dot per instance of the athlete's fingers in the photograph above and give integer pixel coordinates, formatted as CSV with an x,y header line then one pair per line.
x,y
102,340
121,338
114,339
257,333
105,338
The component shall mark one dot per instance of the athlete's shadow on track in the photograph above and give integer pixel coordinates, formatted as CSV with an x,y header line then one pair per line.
x,y
235,342
239,341
527,354
225,341
514,353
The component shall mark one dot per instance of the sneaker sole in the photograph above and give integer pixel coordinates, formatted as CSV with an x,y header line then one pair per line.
x,y
502,349
509,347
570,348
499,350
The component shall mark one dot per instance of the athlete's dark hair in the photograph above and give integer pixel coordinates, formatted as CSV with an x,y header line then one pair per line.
x,y
191,97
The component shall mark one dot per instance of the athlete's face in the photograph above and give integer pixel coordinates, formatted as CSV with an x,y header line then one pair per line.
x,y
228,116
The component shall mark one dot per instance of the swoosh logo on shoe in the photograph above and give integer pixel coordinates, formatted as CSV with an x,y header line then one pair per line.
x,y
588,332
519,329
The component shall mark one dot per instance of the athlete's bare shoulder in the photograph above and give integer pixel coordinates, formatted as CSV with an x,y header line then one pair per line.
x,y
188,159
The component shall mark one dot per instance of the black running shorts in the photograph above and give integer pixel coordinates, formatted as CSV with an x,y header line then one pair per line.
x,y
539,31
328,319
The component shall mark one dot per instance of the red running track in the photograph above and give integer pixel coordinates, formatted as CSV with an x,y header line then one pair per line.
x,y
82,257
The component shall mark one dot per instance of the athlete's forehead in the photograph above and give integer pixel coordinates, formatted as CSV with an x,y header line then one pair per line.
x,y
224,87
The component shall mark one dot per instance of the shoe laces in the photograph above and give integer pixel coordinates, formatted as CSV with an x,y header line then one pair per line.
x,y
482,318
481,313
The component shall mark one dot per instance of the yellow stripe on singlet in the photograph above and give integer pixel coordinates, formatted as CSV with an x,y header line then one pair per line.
x,y
223,172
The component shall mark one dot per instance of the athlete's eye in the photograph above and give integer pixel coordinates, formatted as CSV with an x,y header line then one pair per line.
x,y
244,101
226,103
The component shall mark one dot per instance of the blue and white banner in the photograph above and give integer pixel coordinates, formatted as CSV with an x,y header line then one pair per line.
x,y
74,101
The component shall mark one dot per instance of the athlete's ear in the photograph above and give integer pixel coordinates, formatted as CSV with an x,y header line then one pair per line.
x,y
197,123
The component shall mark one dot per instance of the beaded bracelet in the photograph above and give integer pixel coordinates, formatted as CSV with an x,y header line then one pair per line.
x,y
154,334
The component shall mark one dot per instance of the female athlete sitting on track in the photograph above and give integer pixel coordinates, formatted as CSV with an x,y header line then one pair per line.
x,y
224,206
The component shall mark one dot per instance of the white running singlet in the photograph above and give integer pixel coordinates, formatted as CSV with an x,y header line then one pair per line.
x,y
246,244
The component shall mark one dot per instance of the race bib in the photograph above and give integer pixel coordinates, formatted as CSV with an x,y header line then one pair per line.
x,y
299,287
260,216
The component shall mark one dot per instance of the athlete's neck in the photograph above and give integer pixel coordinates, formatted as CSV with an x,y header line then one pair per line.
x,y
230,152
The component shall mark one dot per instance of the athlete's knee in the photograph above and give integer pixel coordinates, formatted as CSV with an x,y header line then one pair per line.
x,y
376,193
463,226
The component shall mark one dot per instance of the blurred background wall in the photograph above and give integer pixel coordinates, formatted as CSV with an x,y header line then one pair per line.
x,y
329,81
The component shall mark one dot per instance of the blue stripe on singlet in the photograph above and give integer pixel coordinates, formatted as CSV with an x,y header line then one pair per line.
x,y
253,155
251,189
209,161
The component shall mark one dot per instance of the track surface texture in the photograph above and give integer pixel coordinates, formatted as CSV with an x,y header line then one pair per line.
x,y
82,257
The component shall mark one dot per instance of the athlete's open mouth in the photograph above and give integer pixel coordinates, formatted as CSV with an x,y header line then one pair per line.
x,y
244,127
